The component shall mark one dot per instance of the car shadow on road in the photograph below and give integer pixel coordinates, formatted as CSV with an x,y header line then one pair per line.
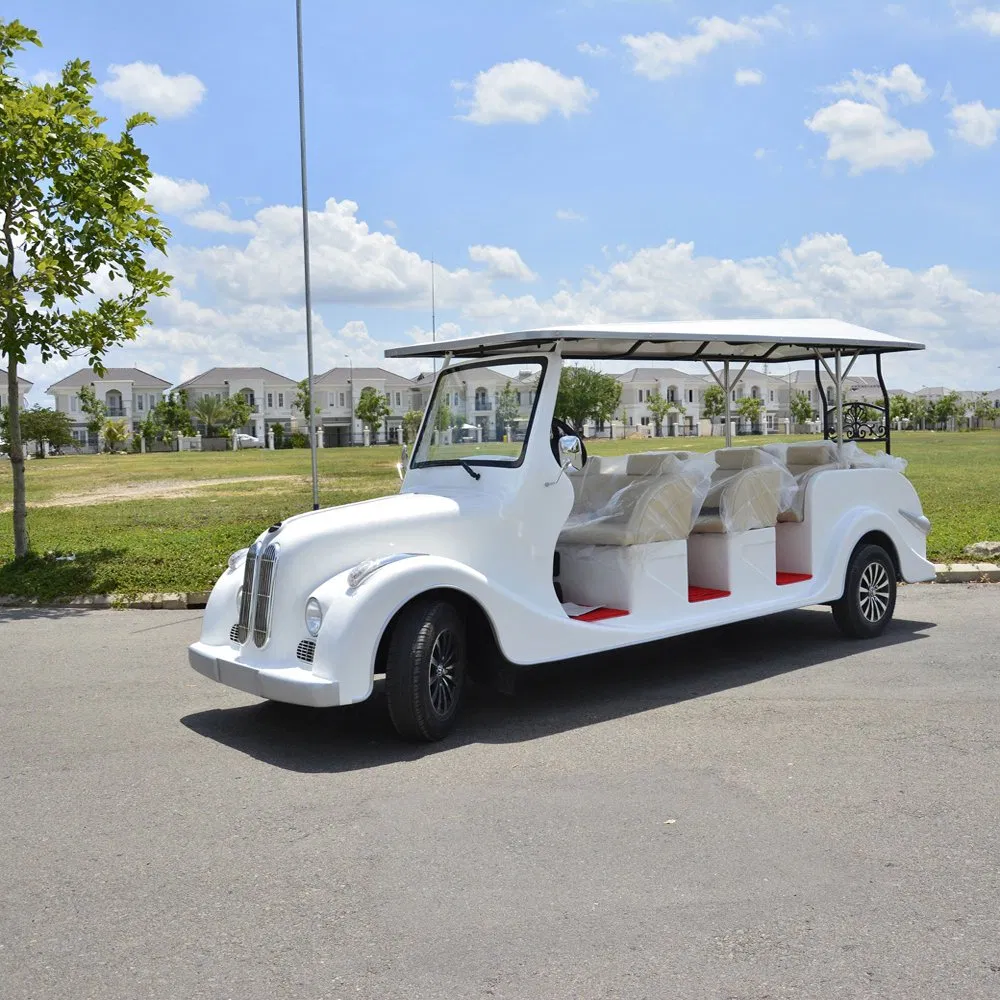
x,y
551,698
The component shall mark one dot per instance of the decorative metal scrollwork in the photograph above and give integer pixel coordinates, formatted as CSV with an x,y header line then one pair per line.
x,y
862,422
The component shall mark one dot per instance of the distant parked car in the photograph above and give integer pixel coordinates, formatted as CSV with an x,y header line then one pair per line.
x,y
247,441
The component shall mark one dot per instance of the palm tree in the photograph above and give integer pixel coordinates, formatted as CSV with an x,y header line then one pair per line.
x,y
115,434
211,412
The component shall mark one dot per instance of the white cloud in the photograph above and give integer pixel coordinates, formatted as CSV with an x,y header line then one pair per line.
x,y
502,262
390,224
657,55
759,153
174,197
598,51
568,215
868,138
220,221
863,133
983,19
44,77
350,264
975,123
525,91
145,87
874,87
748,77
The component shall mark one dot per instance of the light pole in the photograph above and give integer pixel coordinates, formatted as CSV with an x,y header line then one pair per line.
x,y
350,396
305,254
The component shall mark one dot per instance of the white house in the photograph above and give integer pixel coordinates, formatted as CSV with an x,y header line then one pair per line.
x,y
127,393
271,396
338,390
23,388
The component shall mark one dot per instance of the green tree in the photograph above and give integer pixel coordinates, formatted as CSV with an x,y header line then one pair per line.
x,y
115,435
443,417
751,409
508,408
411,424
585,394
301,401
150,429
800,408
211,414
74,222
900,408
713,403
947,407
372,409
96,411
41,425
235,412
983,410
660,407
173,414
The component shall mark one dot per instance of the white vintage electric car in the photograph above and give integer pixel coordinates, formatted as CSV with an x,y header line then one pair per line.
x,y
510,547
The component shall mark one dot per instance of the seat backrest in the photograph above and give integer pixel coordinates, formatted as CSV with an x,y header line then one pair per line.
x,y
802,458
752,498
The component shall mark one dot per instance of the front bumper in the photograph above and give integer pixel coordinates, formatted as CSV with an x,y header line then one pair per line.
x,y
288,684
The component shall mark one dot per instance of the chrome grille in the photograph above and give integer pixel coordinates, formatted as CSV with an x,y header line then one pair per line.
x,y
242,627
306,650
262,610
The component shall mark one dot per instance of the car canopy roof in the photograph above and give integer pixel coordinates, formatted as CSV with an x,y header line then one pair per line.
x,y
682,340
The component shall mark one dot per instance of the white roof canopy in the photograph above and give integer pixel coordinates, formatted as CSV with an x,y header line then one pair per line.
x,y
694,340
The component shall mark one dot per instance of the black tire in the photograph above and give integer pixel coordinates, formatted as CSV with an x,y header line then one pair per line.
x,y
869,593
425,670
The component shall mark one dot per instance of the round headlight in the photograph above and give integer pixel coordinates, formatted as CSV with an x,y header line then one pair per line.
x,y
314,616
236,558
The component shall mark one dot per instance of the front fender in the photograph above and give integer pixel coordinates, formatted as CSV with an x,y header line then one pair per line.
x,y
355,618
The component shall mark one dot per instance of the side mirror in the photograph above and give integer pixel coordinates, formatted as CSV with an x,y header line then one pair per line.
x,y
570,452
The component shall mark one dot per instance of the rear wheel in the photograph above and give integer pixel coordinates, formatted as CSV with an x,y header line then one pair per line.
x,y
869,593
425,670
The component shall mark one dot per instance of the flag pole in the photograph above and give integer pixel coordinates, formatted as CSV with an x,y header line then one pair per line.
x,y
305,255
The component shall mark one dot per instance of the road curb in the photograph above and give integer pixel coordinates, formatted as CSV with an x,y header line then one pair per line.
x,y
195,600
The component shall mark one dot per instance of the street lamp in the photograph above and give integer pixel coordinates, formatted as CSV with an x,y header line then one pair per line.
x,y
350,397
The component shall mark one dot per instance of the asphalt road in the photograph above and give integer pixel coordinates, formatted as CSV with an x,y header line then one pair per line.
x,y
759,811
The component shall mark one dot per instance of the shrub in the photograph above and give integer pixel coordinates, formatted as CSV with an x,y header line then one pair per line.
x,y
298,440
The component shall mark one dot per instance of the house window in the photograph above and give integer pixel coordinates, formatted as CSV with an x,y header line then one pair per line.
x,y
399,399
138,401
281,400
734,395
388,399
270,400
671,395
342,399
771,395
73,403
690,395
644,421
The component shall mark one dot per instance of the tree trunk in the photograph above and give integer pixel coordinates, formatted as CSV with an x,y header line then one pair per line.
x,y
16,449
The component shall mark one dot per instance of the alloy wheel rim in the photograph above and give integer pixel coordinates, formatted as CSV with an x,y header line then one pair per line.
x,y
873,592
441,673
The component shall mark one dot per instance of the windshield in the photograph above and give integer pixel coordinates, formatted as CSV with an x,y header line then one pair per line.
x,y
480,414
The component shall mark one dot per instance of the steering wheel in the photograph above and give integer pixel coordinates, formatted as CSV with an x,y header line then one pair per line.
x,y
559,428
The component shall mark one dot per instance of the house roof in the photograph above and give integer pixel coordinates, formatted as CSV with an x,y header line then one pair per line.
x,y
86,375
655,374
220,376
338,375
759,340
20,381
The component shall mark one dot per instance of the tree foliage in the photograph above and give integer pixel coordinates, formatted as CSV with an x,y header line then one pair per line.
x,y
801,409
586,394
211,414
95,410
900,408
73,223
372,409
411,424
713,403
983,410
115,434
173,415
508,408
947,407
41,425
920,411
751,409
235,412
660,407
301,401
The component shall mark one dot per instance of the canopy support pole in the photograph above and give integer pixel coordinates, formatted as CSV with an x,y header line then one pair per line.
x,y
727,388
885,401
840,407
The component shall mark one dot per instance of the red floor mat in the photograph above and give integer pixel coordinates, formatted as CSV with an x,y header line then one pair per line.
x,y
784,579
599,615
705,594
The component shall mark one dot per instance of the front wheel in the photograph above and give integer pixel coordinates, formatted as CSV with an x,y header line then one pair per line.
x,y
869,593
425,670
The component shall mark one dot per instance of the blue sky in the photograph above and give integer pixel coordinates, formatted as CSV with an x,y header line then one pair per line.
x,y
562,160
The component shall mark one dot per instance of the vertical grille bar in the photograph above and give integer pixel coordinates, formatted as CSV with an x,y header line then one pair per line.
x,y
246,601
265,579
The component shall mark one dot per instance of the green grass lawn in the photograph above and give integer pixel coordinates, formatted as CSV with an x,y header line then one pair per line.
x,y
126,544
